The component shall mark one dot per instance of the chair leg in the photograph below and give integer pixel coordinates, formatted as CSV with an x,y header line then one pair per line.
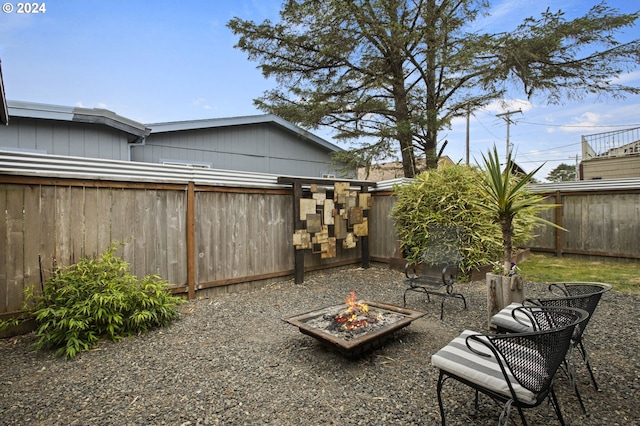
x,y
585,358
569,369
463,299
556,407
524,421
441,380
476,401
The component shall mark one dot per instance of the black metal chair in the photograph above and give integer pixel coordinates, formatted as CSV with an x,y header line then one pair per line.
x,y
515,369
582,295
439,267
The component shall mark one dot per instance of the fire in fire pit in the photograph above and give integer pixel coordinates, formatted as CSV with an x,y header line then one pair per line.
x,y
354,319
355,316
355,326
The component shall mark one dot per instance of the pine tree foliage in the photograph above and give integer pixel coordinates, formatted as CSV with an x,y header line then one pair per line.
x,y
390,75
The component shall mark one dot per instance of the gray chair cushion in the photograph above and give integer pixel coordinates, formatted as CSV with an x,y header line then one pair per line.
x,y
504,320
456,358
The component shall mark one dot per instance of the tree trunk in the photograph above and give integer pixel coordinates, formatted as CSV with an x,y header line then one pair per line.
x,y
506,224
431,60
404,134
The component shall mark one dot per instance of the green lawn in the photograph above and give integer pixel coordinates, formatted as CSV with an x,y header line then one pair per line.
x,y
622,276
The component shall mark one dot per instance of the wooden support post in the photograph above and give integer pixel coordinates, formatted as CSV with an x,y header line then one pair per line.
x,y
191,244
297,224
364,240
559,222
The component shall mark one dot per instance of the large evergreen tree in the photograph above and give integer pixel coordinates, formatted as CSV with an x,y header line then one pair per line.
x,y
392,73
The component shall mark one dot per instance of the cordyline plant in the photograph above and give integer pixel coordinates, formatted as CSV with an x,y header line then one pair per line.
x,y
506,198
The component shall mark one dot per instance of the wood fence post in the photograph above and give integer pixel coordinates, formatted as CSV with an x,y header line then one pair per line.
x,y
559,222
297,224
191,248
364,240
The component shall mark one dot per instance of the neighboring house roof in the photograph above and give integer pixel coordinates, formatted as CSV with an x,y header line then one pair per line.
x,y
78,115
4,112
177,126
393,170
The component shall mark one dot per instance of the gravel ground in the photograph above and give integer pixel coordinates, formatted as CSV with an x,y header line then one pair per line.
x,y
230,360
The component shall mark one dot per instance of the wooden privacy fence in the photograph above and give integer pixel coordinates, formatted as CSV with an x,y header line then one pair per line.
x,y
600,222
200,238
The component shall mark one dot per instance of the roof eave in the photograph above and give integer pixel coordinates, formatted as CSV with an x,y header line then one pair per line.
x,y
79,115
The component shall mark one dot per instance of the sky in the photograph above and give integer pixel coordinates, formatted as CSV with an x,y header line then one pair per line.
x,y
161,61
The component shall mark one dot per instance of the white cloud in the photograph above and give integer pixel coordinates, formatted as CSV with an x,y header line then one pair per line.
x,y
101,105
202,103
628,78
504,105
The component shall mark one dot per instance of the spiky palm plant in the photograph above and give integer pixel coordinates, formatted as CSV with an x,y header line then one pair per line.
x,y
505,197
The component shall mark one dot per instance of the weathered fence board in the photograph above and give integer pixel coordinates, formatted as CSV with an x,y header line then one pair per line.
x,y
383,239
123,224
4,250
46,235
31,212
176,254
15,246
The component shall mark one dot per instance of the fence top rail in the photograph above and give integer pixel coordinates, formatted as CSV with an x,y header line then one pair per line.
x,y
587,185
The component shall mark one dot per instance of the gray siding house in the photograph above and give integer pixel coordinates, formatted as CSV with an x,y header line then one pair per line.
x,y
78,132
260,143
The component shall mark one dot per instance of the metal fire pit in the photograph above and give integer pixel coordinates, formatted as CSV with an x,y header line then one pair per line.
x,y
367,340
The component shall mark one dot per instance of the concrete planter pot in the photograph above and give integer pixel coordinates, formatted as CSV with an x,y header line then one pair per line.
x,y
501,291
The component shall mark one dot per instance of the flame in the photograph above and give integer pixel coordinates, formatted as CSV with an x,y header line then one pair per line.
x,y
355,315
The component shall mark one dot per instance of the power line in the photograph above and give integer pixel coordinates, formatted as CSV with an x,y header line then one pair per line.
x,y
561,125
558,147
485,128
578,125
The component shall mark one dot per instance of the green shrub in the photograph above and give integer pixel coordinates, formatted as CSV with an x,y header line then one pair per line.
x,y
448,196
99,298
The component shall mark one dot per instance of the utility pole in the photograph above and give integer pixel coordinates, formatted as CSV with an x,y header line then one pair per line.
x,y
507,117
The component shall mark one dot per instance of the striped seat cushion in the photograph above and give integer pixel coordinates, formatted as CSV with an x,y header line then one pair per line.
x,y
504,320
457,359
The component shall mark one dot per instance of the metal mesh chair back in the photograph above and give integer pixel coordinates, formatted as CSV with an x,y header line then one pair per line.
x,y
533,358
439,265
443,245
583,295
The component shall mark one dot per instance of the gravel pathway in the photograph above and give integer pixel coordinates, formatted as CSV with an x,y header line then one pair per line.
x,y
230,360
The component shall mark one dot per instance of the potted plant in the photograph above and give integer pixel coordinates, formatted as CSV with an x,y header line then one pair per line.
x,y
505,197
